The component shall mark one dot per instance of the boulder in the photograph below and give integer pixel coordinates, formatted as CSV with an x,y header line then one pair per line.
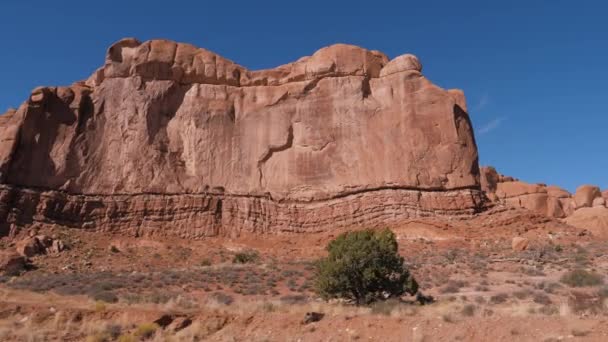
x,y
585,194
519,243
593,219
39,244
11,263
599,202
312,317
29,247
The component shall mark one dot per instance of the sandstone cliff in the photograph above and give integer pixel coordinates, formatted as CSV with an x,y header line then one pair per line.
x,y
170,138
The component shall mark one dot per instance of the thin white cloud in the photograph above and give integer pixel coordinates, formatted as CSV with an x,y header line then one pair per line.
x,y
490,126
482,103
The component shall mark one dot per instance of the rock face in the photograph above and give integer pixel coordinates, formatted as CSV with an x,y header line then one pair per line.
x,y
585,209
585,195
552,201
170,138
593,219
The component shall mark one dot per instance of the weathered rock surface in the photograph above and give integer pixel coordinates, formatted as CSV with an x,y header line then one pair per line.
x,y
519,243
585,194
552,201
40,244
593,219
585,209
170,138
11,263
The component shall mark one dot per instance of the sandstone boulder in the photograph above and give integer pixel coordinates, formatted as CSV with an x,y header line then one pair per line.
x,y
39,244
11,263
585,195
599,202
593,219
29,247
519,243
167,132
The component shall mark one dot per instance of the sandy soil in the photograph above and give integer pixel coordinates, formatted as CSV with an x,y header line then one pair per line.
x,y
109,287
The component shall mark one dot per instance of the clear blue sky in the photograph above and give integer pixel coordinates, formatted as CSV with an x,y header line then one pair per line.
x,y
535,73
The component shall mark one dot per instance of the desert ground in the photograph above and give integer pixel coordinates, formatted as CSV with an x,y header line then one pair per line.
x,y
107,287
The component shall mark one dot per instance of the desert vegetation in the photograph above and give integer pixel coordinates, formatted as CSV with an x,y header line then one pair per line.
x,y
364,266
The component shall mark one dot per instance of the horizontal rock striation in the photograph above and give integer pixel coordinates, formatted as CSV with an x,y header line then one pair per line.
x,y
200,215
170,138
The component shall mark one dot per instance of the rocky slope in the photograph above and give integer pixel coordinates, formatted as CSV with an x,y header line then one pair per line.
x,y
167,138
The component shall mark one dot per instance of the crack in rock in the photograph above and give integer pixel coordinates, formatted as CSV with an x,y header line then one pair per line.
x,y
272,149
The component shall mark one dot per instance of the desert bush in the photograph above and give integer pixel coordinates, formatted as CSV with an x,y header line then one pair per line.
x,y
222,298
113,330
522,294
103,296
499,298
453,286
468,310
581,302
146,330
246,257
581,278
100,306
549,310
363,266
294,299
126,338
98,337
603,293
541,298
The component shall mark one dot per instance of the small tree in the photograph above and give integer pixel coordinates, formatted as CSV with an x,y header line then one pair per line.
x,y
363,266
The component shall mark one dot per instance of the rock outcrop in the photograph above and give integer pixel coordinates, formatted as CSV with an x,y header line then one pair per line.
x,y
167,138
594,219
585,209
552,201
11,263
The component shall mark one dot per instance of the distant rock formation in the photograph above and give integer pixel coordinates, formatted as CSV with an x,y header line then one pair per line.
x,y
167,138
585,209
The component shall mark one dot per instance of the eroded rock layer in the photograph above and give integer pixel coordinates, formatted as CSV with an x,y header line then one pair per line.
x,y
169,133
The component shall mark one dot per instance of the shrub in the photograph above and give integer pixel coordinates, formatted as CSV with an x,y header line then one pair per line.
x,y
246,257
146,330
581,278
542,298
104,296
126,338
222,298
499,298
468,310
363,266
98,337
100,306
